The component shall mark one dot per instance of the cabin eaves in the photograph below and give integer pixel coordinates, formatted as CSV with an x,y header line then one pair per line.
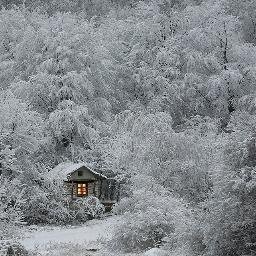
x,y
64,170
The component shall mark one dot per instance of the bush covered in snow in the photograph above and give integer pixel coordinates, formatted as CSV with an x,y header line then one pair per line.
x,y
11,203
9,248
87,208
42,209
151,219
48,205
141,230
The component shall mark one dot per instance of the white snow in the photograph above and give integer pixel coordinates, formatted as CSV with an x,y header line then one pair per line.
x,y
77,240
89,236
156,252
62,170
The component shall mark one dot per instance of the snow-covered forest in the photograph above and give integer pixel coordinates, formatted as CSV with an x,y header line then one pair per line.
x,y
161,94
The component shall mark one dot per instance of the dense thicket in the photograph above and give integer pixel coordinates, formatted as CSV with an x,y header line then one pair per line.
x,y
160,92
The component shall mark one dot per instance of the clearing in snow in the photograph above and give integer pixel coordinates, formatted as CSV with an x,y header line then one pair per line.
x,y
74,240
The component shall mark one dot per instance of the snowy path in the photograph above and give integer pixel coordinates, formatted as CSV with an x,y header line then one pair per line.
x,y
64,241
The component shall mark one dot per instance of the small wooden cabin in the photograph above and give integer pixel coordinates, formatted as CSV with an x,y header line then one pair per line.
x,y
82,181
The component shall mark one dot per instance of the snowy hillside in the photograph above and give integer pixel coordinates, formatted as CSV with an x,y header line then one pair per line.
x,y
141,110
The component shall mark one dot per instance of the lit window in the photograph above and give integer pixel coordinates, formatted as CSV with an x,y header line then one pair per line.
x,y
81,189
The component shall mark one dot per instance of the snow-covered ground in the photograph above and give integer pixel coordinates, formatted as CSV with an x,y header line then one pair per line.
x,y
84,240
74,240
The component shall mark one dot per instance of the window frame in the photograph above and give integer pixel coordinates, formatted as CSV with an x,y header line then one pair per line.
x,y
84,192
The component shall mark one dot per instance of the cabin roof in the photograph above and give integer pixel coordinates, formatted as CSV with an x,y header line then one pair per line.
x,y
63,170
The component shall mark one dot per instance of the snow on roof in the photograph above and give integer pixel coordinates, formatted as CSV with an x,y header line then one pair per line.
x,y
62,170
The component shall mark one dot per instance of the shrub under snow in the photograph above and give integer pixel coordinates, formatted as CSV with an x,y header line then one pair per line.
x,y
47,204
87,208
146,224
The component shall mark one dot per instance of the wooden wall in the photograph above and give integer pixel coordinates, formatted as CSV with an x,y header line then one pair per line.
x,y
93,189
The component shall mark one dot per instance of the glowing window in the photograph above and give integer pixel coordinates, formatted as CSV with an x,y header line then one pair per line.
x,y
81,189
